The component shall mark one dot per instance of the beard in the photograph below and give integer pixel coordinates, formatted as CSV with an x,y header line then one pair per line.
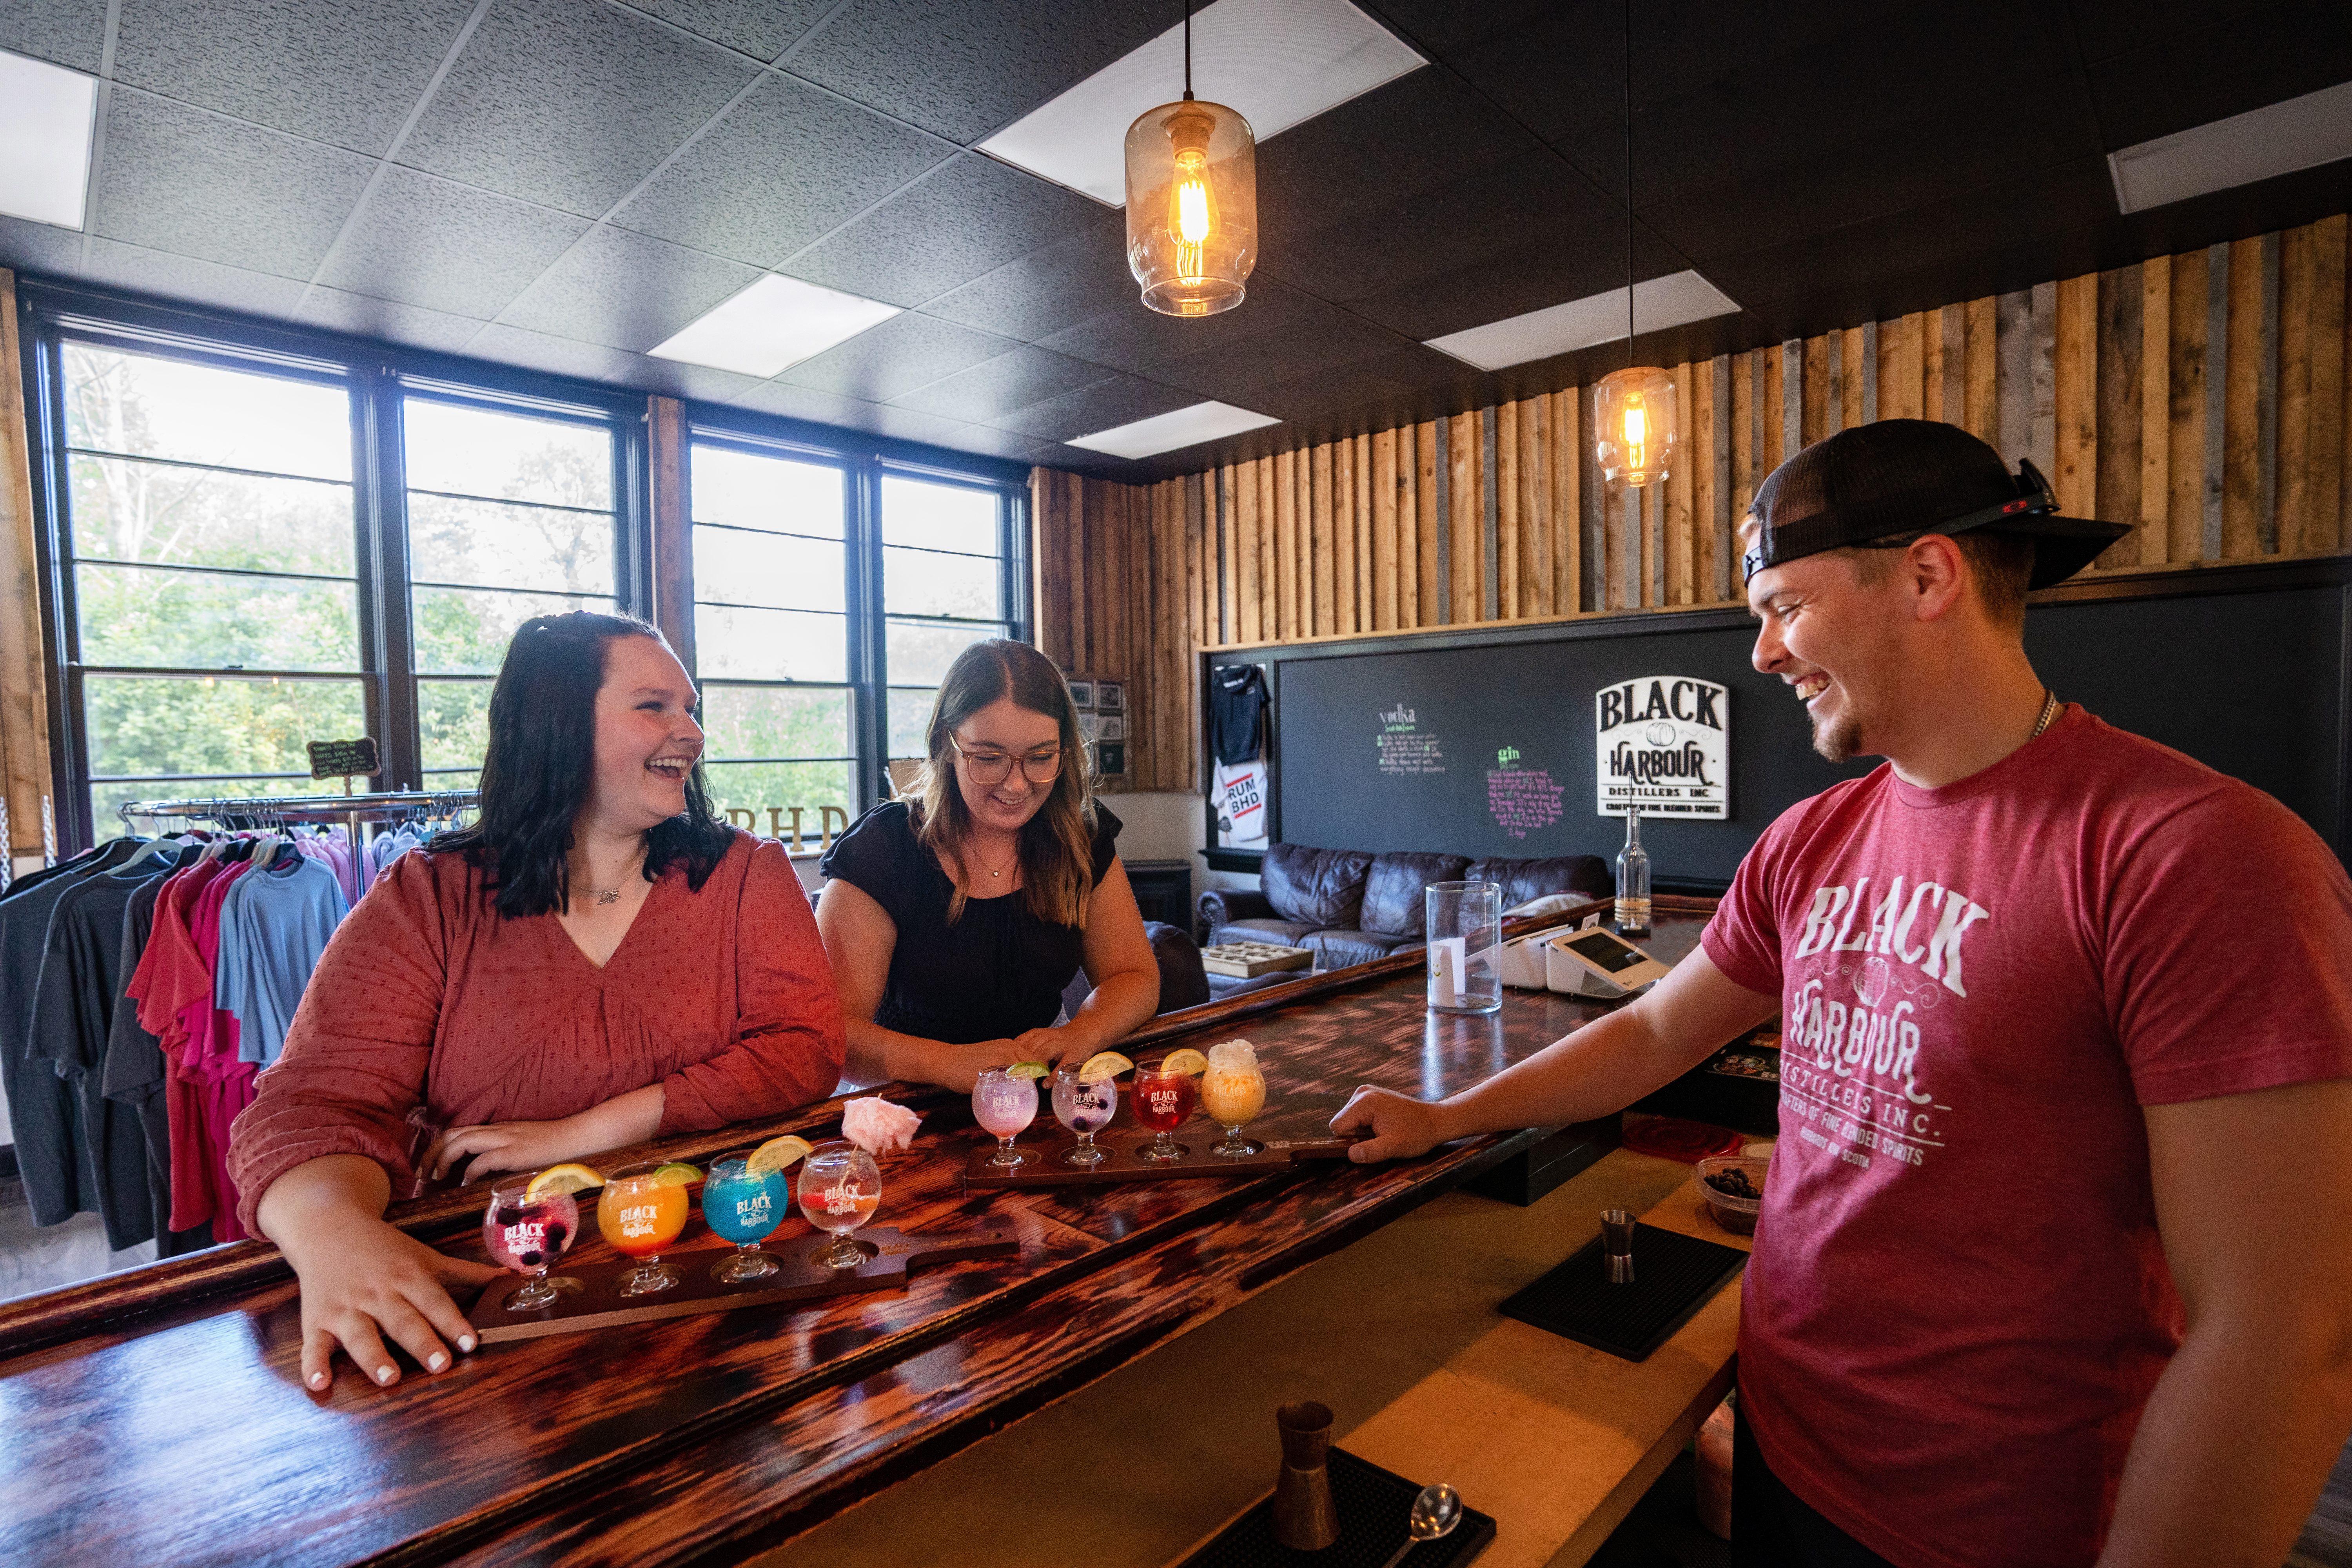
x,y
1837,740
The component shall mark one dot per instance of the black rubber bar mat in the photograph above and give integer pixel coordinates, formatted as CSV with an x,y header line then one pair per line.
x,y
1674,1276
1372,1504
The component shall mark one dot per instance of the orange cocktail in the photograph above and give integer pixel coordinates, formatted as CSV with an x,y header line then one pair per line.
x,y
642,1211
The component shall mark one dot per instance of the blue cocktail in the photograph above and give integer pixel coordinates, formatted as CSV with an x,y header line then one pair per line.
x,y
744,1209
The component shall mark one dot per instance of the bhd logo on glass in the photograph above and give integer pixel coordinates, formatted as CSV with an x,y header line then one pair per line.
x,y
1662,743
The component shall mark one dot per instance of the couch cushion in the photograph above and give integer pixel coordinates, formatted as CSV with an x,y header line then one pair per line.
x,y
1525,879
1284,933
1392,890
1340,949
1182,982
1322,887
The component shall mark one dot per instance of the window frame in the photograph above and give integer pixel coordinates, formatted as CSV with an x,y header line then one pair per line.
x,y
865,462
377,379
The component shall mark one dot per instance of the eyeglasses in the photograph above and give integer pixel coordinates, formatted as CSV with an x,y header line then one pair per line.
x,y
989,765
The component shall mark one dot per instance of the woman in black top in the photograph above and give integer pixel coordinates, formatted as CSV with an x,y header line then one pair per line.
x,y
954,919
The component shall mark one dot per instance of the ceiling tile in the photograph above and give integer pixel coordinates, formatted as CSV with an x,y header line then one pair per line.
x,y
2223,68
991,442
70,32
761,28
2110,27
962,71
1331,337
626,290
187,279
1028,374
343,71
1420,133
904,353
1481,290
447,246
503,344
28,246
179,179
388,320
1132,336
784,166
701,382
1078,276
966,218
570,103
1105,406
781,397
907,423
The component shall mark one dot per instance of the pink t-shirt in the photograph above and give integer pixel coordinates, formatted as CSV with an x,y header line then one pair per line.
x,y
1958,1303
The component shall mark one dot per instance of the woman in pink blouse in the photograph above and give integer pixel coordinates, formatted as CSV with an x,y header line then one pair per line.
x,y
599,961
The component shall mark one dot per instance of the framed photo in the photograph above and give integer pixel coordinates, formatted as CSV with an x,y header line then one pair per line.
x,y
1109,726
1110,759
1110,695
1082,692
1090,727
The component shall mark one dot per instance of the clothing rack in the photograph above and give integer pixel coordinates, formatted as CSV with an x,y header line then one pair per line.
x,y
381,805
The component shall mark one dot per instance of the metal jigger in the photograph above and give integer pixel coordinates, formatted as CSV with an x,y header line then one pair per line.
x,y
1303,1519
1617,1241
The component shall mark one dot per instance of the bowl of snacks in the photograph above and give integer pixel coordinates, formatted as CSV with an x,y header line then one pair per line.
x,y
1733,1186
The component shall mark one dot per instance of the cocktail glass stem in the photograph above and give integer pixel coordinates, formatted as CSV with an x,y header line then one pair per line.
x,y
1234,1147
648,1276
536,1292
1162,1147
1007,1156
746,1262
842,1253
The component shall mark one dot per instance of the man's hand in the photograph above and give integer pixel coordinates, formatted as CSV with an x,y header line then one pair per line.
x,y
1399,1127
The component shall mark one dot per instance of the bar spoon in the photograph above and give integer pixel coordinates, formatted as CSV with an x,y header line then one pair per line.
x,y
1436,1512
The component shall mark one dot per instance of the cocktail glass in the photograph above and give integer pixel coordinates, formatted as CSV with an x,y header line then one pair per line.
x,y
527,1234
1003,1105
744,1209
1162,1101
1085,1108
640,1217
840,1187
1233,1091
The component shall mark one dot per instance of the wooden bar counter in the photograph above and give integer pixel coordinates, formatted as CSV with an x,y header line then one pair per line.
x,y
157,1416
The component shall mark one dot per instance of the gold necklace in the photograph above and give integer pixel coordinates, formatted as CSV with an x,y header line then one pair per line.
x,y
2049,712
994,871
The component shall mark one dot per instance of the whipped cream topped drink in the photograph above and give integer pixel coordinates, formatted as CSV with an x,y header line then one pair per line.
x,y
1233,1091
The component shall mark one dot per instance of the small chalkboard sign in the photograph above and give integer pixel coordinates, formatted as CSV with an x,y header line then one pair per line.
x,y
345,759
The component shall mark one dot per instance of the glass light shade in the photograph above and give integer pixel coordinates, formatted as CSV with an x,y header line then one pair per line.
x,y
1638,441
1191,206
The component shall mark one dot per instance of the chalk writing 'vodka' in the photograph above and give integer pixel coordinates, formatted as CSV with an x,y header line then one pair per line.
x,y
1942,917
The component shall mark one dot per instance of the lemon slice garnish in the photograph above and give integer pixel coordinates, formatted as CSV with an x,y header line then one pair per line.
x,y
1187,1062
568,1177
1103,1065
775,1154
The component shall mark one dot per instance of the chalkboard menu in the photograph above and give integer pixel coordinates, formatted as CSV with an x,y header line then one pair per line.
x,y
1489,748
343,759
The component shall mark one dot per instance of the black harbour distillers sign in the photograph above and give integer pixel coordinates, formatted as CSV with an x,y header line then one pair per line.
x,y
1662,743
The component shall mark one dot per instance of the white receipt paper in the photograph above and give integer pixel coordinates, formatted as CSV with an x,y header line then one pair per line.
x,y
1445,965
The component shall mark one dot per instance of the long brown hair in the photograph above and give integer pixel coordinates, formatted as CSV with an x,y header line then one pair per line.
x,y
1057,845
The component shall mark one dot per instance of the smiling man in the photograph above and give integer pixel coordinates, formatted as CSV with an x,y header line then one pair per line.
x,y
2067,1022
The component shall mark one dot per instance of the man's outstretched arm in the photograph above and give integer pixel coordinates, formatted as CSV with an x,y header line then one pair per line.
x,y
1603,1067
2250,1415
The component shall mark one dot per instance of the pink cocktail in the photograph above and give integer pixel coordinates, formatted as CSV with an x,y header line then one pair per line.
x,y
1003,1105
527,1234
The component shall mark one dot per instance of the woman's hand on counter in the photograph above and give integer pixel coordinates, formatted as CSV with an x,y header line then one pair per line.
x,y
495,1146
362,1279
1399,1128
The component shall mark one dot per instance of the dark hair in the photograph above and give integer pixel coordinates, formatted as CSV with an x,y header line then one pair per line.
x,y
541,756
1057,845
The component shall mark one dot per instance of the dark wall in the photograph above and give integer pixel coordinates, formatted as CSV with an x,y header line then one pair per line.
x,y
2244,670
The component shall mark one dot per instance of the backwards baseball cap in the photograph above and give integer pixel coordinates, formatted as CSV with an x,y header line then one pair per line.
x,y
1908,477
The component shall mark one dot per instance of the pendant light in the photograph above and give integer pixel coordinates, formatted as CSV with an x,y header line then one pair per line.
x,y
1191,202
1634,407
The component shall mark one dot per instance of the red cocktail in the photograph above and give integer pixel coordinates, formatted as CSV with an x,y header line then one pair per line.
x,y
1162,1101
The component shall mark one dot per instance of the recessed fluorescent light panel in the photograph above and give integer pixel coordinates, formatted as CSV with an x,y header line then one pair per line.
x,y
2300,133
44,119
1277,61
1659,303
1179,428
773,325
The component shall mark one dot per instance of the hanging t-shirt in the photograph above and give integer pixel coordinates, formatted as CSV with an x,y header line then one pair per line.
x,y
135,1072
274,925
1958,1301
1237,712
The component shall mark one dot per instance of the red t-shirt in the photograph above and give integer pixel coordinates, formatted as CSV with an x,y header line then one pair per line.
x,y
1958,1303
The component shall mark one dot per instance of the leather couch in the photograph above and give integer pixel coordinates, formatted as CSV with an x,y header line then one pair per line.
x,y
1182,982
1348,907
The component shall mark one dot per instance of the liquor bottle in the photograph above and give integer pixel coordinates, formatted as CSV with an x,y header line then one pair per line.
x,y
1633,879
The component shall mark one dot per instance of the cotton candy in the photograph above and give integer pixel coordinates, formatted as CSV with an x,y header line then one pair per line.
x,y
878,1126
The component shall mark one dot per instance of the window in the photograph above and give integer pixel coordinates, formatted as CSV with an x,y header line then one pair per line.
x,y
510,516
820,639
214,574
944,590
260,538
771,636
